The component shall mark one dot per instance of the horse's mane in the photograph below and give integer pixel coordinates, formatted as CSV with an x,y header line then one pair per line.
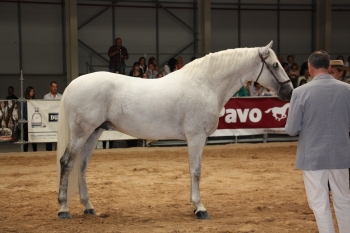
x,y
223,60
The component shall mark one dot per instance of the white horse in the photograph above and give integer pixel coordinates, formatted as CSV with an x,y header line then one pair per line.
x,y
279,111
183,105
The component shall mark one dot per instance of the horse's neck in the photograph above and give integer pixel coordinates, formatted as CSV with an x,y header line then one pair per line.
x,y
226,72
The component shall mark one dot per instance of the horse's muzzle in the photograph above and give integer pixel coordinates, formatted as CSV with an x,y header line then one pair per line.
x,y
285,92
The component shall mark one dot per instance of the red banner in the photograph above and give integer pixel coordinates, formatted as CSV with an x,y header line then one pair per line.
x,y
244,116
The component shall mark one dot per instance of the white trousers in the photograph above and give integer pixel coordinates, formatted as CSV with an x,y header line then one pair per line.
x,y
316,186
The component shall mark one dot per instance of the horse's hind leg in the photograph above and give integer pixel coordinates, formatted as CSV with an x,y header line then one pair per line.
x,y
195,150
87,151
67,162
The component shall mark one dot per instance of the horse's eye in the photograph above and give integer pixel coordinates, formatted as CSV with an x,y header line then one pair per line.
x,y
275,65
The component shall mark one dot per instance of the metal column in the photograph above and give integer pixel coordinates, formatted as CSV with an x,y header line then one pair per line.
x,y
71,40
323,25
204,26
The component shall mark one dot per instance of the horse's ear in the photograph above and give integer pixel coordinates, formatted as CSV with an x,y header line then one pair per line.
x,y
265,50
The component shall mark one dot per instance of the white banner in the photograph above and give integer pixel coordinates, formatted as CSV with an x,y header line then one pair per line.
x,y
43,122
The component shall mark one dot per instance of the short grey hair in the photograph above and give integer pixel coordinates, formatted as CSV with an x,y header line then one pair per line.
x,y
319,59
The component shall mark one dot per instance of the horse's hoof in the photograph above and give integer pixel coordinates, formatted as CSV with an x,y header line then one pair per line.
x,y
90,211
64,215
202,215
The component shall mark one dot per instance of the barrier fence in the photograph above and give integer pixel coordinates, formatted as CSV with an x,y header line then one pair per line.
x,y
249,119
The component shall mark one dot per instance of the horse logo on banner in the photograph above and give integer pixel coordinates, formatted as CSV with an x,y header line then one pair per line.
x,y
279,111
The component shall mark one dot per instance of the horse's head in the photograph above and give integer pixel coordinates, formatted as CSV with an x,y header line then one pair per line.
x,y
271,74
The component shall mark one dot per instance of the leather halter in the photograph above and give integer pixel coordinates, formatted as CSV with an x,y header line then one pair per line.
x,y
263,60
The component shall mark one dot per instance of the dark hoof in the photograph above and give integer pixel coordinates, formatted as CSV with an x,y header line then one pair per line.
x,y
64,215
202,214
90,211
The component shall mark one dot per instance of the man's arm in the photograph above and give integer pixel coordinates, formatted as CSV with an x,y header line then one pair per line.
x,y
295,115
111,52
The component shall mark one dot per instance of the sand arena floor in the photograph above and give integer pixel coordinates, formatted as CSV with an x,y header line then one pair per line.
x,y
245,187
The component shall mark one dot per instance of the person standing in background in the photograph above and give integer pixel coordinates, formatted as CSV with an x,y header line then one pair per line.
x,y
52,95
117,56
11,95
29,94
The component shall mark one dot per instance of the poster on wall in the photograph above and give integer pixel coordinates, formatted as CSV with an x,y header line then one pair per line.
x,y
9,115
42,120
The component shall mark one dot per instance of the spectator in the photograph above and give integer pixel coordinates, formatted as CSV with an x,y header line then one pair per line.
x,y
151,72
302,82
117,56
338,69
281,60
241,92
255,90
179,63
303,68
170,66
247,86
143,65
29,94
136,71
104,144
11,95
52,95
145,75
268,92
306,76
290,59
319,113
286,68
340,57
347,63
154,62
294,74
160,75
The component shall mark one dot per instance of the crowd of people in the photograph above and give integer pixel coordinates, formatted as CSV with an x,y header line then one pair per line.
x,y
298,77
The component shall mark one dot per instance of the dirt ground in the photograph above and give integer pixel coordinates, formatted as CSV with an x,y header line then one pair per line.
x,y
245,187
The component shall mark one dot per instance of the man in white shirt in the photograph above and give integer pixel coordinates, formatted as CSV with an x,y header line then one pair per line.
x,y
52,95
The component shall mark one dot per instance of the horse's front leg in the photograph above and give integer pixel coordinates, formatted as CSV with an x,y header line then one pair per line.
x,y
87,151
195,150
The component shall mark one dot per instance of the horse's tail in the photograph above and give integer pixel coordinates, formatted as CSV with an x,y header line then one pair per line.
x,y
63,138
268,110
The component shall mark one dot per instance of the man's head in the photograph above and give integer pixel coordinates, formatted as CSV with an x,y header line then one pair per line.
x,y
318,62
118,42
53,87
10,90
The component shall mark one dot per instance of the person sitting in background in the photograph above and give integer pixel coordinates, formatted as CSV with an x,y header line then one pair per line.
x,y
267,92
247,86
303,68
145,75
11,95
338,69
179,63
281,60
29,94
286,68
306,76
151,72
294,74
152,60
255,90
302,82
136,71
143,65
241,92
160,75
290,60
170,66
